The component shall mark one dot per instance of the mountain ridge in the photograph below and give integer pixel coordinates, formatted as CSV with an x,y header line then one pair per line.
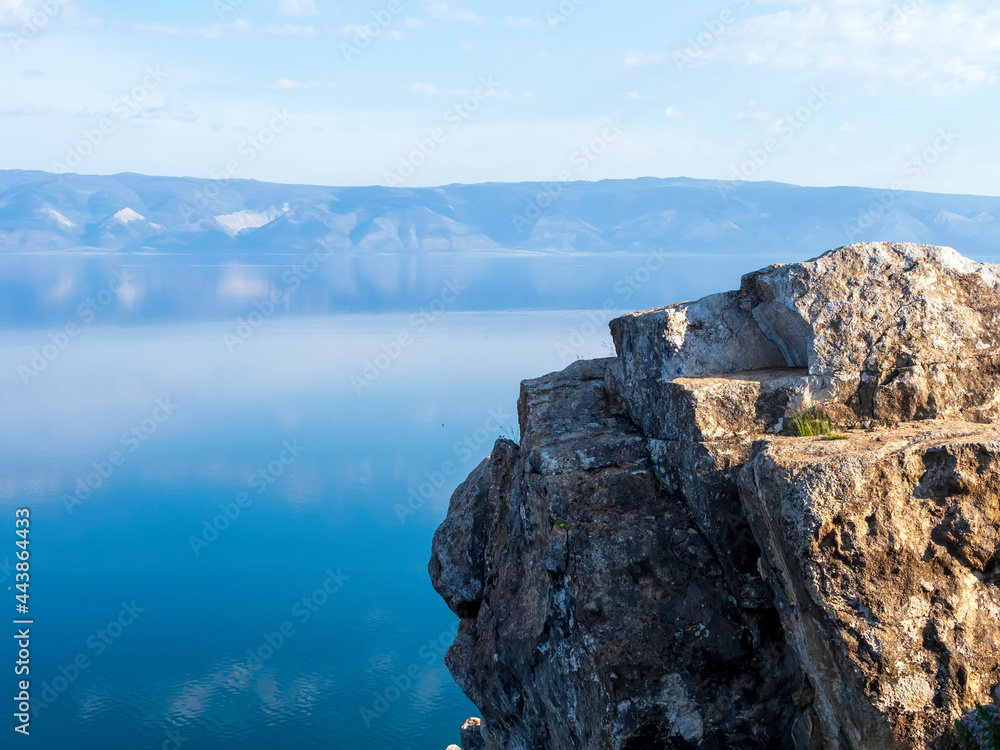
x,y
41,211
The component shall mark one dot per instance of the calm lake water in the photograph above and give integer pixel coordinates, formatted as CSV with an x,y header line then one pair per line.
x,y
232,502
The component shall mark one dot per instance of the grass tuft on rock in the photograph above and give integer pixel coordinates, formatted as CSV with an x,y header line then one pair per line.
x,y
812,423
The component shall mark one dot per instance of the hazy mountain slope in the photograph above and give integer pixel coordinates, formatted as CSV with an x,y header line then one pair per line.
x,y
46,212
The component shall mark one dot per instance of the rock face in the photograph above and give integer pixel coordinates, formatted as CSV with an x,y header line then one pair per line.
x,y
885,554
603,618
657,566
881,331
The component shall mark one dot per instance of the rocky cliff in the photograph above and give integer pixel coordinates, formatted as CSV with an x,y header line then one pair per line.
x,y
663,563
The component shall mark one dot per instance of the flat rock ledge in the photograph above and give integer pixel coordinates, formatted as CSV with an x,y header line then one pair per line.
x,y
661,563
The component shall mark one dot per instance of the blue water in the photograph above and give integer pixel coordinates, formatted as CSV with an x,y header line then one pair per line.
x,y
247,567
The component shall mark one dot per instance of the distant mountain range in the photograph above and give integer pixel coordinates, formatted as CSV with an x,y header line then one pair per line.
x,y
135,213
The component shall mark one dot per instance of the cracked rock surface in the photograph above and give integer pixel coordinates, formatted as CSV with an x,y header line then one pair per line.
x,y
659,564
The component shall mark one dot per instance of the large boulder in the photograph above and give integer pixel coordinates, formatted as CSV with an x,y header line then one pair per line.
x,y
878,331
627,576
605,621
885,552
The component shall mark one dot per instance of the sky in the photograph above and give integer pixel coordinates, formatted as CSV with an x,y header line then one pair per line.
x,y
878,93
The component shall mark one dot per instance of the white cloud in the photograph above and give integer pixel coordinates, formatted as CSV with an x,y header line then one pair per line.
x,y
26,111
16,13
212,31
217,30
637,96
366,31
287,84
468,45
177,112
752,115
298,8
494,94
635,58
441,10
429,89
414,23
158,28
671,112
288,29
524,23
940,49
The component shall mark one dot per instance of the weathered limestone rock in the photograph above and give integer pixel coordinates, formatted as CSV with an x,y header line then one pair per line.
x,y
628,576
872,333
885,549
729,406
887,331
605,620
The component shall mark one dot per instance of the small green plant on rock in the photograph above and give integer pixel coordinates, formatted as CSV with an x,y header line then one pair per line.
x,y
812,423
980,733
